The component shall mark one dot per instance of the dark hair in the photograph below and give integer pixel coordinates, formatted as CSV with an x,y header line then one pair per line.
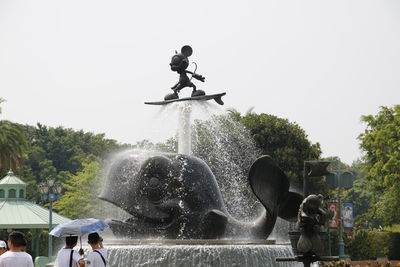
x,y
93,238
71,240
17,239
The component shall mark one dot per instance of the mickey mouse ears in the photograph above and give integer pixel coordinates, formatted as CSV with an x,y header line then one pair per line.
x,y
186,51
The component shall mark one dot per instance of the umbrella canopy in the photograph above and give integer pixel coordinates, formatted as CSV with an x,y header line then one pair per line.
x,y
79,227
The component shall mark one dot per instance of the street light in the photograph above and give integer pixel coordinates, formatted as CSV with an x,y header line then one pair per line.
x,y
341,180
50,191
313,169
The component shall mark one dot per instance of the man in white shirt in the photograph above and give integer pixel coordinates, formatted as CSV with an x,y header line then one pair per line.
x,y
67,256
16,257
3,247
97,257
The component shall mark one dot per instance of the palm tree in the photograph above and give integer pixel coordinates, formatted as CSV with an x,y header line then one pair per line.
x,y
13,143
1,101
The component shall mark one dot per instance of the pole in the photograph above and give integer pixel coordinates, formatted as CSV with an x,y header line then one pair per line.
x,y
37,242
304,180
341,242
50,252
329,242
33,231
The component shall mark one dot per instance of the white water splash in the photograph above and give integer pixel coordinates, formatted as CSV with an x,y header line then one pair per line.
x,y
233,255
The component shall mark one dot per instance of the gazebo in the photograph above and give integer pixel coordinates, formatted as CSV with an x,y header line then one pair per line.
x,y
18,213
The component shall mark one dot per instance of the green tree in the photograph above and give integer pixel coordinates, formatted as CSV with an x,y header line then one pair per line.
x,y
284,141
67,148
13,144
381,144
80,199
60,152
287,143
170,145
1,101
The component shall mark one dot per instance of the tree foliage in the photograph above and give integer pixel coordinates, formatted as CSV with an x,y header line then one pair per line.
x,y
60,152
66,148
284,141
1,101
381,144
13,144
287,143
80,198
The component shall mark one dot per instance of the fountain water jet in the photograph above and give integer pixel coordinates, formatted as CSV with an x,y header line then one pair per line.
x,y
184,128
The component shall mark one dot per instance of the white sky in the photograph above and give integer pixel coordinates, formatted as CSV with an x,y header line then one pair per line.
x,y
91,64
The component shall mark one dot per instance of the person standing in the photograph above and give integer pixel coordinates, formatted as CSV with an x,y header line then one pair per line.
x,y
3,247
67,256
16,257
98,256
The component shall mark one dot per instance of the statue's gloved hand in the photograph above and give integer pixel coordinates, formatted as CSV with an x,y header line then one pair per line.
x,y
198,77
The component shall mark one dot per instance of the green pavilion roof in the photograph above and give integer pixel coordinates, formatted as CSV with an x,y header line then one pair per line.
x,y
26,215
11,179
18,213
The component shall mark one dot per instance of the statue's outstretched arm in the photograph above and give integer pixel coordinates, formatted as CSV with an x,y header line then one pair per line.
x,y
196,76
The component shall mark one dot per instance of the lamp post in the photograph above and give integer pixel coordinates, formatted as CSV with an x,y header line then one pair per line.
x,y
340,180
341,241
50,191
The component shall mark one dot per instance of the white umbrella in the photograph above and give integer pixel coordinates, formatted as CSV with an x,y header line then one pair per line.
x,y
79,227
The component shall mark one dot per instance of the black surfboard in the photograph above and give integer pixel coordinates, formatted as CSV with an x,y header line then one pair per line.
x,y
216,97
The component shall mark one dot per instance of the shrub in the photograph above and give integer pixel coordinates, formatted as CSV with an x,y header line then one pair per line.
x,y
369,245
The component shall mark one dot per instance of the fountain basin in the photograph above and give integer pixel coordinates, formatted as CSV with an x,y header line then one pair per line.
x,y
188,253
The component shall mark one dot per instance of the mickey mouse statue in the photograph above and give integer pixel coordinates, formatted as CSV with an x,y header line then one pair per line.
x,y
179,63
310,217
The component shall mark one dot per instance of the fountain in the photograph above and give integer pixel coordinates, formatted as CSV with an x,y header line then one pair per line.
x,y
177,213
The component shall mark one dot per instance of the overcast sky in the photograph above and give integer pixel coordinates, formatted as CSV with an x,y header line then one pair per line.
x,y
91,64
